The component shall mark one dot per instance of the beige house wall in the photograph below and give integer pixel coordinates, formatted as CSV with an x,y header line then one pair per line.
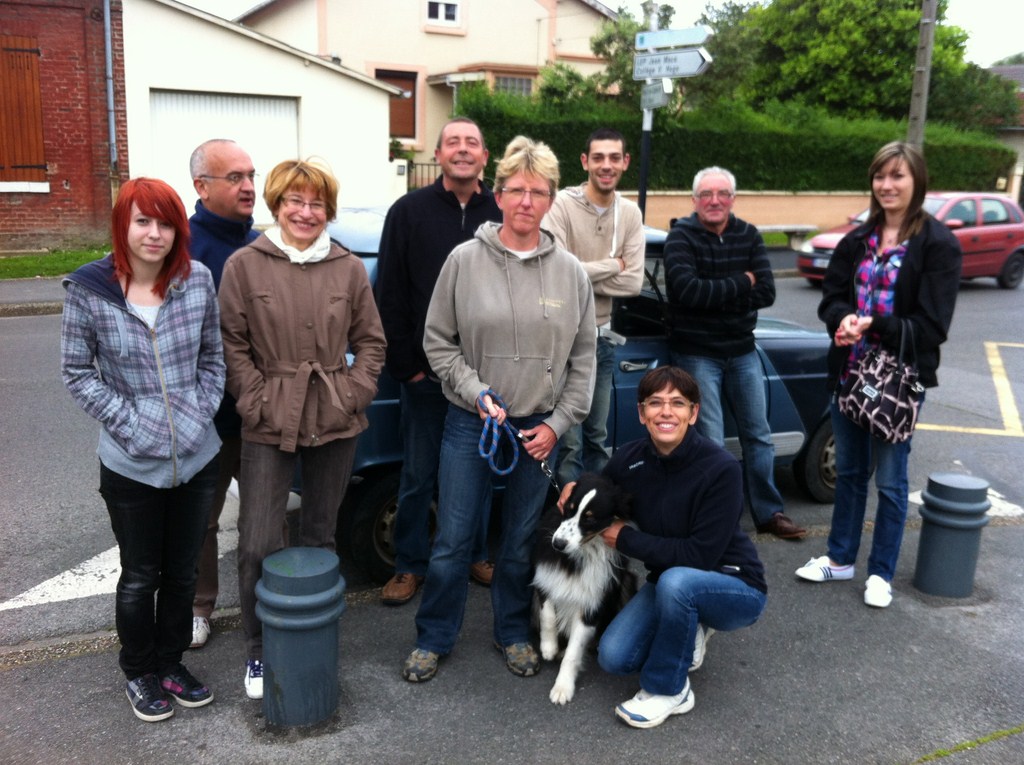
x,y
511,38
765,208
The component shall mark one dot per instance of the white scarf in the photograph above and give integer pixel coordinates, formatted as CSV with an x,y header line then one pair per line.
x,y
312,254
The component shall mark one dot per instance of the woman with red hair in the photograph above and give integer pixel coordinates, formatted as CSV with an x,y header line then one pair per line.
x,y
141,353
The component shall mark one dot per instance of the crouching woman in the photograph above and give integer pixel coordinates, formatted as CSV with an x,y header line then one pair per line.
x,y
703,570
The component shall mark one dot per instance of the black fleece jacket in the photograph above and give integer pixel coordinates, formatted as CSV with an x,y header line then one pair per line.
x,y
687,508
420,230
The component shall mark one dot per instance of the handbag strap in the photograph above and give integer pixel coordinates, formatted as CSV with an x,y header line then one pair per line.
x,y
907,328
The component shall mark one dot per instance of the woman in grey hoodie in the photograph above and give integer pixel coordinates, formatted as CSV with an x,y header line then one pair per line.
x,y
510,333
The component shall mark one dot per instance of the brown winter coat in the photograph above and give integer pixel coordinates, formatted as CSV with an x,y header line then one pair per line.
x,y
286,330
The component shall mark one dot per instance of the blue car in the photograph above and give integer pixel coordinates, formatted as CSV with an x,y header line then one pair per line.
x,y
794,377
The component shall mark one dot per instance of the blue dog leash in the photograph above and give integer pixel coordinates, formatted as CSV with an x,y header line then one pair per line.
x,y
488,449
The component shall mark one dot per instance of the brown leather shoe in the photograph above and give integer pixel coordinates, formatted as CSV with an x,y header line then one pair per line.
x,y
782,527
400,589
482,572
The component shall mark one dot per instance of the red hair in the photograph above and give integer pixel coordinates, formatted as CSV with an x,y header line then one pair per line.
x,y
155,199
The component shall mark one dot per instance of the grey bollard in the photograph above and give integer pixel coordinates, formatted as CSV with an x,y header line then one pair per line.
x,y
953,515
299,600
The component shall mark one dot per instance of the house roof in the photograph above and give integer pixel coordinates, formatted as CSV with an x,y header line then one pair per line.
x,y
601,8
1014,72
263,39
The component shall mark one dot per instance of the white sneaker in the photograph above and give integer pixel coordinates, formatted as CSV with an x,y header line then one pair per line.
x,y
647,710
700,646
819,570
254,679
877,592
200,631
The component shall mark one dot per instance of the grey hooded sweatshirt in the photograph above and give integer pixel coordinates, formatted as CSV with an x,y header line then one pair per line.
x,y
522,327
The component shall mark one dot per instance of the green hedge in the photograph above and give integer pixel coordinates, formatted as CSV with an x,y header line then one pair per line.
x,y
783,148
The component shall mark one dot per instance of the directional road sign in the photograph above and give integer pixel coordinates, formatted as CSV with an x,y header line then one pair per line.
x,y
673,38
687,62
654,95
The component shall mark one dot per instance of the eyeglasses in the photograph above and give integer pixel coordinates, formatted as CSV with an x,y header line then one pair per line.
x,y
705,196
675,404
297,203
516,195
233,179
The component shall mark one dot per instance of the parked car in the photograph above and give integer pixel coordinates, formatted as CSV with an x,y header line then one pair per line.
x,y
990,228
794,377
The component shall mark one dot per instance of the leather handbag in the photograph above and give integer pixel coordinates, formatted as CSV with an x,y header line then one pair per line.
x,y
882,394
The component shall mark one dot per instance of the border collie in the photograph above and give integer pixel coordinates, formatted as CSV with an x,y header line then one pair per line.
x,y
580,583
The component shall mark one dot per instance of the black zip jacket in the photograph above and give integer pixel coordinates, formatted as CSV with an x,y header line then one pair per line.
x,y
420,230
687,508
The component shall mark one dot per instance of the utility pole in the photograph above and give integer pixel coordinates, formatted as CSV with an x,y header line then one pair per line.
x,y
922,75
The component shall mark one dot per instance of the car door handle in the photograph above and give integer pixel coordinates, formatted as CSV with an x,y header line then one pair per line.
x,y
634,366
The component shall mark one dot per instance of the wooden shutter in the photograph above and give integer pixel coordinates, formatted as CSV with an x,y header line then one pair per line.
x,y
22,157
403,110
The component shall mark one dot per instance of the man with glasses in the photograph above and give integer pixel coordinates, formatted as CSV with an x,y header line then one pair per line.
x,y
222,174
606,232
718,276
420,230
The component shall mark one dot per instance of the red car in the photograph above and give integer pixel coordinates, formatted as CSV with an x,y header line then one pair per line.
x,y
990,228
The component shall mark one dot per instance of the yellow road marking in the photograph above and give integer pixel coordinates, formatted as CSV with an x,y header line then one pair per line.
x,y
1012,426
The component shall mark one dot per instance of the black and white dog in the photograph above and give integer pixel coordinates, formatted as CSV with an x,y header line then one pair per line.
x,y
580,583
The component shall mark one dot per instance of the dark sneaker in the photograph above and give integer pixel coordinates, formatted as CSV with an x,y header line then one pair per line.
x,y
420,666
148,699
184,688
521,659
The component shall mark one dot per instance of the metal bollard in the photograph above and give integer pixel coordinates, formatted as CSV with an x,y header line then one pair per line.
x,y
953,515
299,600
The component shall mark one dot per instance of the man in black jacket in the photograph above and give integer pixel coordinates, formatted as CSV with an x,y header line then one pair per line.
x,y
718,276
420,230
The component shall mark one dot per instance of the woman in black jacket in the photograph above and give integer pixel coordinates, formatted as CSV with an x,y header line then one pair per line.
x,y
900,265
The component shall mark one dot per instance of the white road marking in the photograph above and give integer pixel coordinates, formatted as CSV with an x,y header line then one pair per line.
x,y
99,574
1001,506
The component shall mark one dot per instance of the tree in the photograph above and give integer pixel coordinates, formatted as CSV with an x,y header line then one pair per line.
x,y
974,98
614,43
733,48
1016,58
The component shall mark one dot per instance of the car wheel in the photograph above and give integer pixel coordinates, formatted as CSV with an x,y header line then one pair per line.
x,y
815,468
1013,271
366,527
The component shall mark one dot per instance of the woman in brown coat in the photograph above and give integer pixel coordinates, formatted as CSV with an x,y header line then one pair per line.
x,y
292,305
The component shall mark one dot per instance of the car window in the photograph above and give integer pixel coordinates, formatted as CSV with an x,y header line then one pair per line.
x,y
964,210
993,212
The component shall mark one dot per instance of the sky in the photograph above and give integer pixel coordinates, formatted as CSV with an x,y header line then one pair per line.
x,y
993,31
993,34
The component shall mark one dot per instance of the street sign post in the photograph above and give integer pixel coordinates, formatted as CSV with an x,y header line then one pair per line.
x,y
686,62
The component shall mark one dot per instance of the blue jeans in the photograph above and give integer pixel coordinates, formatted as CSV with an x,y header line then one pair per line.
x,y
423,411
159,533
740,381
655,632
591,455
858,454
465,494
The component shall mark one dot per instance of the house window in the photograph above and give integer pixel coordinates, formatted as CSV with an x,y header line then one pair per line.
x,y
22,158
522,86
403,108
443,13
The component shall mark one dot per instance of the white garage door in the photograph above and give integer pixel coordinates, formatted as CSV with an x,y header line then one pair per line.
x,y
264,126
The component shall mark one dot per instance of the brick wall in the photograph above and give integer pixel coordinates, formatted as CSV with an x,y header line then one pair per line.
x,y
72,73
